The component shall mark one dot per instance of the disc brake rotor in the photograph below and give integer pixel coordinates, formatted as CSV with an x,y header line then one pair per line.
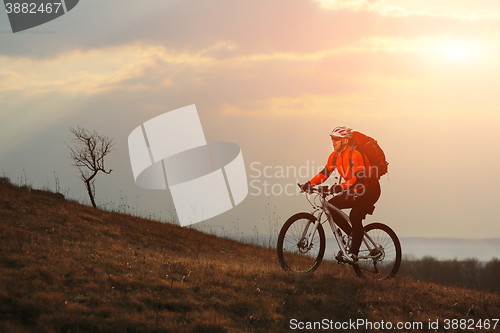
x,y
302,246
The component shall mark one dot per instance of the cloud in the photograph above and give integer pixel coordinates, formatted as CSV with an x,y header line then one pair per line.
x,y
351,4
265,79
238,28
90,72
249,62
464,10
314,106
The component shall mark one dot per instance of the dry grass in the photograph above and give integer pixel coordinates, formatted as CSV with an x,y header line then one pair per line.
x,y
71,268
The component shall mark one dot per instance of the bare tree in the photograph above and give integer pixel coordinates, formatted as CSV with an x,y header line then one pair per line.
x,y
88,155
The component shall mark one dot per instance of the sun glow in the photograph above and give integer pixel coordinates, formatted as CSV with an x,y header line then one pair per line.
x,y
459,51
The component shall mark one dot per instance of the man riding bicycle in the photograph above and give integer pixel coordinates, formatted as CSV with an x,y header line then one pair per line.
x,y
359,191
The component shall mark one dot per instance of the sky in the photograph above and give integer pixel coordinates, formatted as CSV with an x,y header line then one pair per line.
x,y
274,77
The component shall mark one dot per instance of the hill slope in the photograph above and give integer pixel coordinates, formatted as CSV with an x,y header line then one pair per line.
x,y
65,267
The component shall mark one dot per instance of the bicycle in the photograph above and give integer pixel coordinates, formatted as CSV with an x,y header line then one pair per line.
x,y
301,241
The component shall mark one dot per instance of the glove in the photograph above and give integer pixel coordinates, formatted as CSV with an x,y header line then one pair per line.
x,y
335,189
306,187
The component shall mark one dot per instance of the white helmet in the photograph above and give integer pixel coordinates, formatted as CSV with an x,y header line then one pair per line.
x,y
342,132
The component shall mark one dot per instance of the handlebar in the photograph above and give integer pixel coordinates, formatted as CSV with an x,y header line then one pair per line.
x,y
323,190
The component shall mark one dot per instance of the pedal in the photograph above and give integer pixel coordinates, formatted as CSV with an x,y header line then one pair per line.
x,y
340,259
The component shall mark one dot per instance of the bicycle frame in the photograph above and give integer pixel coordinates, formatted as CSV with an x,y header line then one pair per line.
x,y
322,208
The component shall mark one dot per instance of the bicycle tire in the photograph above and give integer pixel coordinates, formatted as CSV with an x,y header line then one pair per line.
x,y
292,254
387,265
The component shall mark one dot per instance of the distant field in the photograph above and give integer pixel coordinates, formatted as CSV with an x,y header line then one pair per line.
x,y
451,248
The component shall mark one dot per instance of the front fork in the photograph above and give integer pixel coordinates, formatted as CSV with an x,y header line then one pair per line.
x,y
309,238
311,235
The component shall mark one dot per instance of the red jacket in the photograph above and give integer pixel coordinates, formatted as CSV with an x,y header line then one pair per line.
x,y
351,166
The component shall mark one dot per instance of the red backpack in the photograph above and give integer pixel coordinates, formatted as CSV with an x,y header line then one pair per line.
x,y
369,148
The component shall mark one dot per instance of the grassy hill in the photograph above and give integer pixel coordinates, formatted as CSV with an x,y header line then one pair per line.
x,y
65,267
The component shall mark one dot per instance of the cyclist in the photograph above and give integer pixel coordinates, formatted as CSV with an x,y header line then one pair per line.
x,y
359,191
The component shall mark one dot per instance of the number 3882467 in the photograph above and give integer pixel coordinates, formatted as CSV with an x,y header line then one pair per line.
x,y
32,8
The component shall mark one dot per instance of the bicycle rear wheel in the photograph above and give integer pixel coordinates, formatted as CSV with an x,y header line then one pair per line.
x,y
384,253
293,252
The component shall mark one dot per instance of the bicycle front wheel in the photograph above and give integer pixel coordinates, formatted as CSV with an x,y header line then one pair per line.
x,y
295,252
380,253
